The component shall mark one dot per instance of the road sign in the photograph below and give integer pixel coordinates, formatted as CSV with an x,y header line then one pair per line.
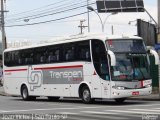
x,y
120,6
147,31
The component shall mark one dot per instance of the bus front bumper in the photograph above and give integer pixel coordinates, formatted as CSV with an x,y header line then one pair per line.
x,y
130,92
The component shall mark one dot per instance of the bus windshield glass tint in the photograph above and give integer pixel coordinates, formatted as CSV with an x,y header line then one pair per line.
x,y
131,46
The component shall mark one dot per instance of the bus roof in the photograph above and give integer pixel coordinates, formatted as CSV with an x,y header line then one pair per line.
x,y
75,38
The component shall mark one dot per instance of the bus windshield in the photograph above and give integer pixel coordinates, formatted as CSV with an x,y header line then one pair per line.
x,y
127,46
131,60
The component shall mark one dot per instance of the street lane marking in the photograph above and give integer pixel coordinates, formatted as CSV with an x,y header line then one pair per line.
x,y
113,113
114,106
137,105
47,109
152,110
68,113
74,118
79,118
97,114
135,112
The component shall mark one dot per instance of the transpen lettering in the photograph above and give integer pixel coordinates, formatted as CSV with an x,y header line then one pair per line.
x,y
66,74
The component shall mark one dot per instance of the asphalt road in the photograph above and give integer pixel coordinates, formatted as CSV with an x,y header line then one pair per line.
x,y
69,109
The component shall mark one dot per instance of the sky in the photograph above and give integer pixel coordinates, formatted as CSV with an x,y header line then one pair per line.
x,y
23,12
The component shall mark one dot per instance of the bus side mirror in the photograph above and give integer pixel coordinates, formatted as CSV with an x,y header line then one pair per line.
x,y
156,56
112,57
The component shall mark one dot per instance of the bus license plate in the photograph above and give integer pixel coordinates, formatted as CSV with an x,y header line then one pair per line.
x,y
135,93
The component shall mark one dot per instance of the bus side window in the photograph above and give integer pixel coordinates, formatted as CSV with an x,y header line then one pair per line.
x,y
19,61
22,59
14,58
83,48
69,55
69,52
28,61
7,59
42,58
82,54
57,56
37,58
51,57
87,54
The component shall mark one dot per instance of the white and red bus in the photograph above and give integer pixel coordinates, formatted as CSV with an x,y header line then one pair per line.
x,y
87,66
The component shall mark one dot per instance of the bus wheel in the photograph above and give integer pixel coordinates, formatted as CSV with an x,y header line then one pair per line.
x,y
120,100
53,98
24,93
86,95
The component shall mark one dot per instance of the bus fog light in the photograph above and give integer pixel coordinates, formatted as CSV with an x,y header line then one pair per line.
x,y
114,93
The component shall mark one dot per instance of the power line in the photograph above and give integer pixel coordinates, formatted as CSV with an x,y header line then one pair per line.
x,y
36,23
48,15
62,11
60,7
29,12
39,8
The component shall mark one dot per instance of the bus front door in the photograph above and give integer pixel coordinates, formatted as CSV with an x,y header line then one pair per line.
x,y
105,87
100,87
101,79
96,86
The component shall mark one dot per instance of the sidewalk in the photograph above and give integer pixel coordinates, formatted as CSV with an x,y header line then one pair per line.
x,y
152,97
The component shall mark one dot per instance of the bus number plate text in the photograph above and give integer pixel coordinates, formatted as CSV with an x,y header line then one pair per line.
x,y
135,93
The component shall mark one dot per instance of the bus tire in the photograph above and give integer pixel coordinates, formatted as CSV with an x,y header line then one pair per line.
x,y
53,98
86,95
24,93
120,100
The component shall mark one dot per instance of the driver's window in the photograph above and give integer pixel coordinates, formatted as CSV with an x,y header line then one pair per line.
x,y
100,59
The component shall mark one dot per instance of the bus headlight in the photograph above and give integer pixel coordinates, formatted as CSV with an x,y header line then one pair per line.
x,y
118,87
147,86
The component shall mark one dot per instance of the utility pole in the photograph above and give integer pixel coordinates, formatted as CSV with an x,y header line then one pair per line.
x,y
88,16
81,26
4,43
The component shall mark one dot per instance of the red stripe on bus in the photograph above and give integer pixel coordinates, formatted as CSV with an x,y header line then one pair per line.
x,y
142,83
59,67
13,70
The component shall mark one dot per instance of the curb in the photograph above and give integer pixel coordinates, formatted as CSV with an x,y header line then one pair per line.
x,y
145,99
153,97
